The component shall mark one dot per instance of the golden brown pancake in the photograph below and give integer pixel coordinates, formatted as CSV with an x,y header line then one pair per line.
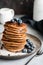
x,y
15,25
15,30
16,49
15,43
14,36
14,40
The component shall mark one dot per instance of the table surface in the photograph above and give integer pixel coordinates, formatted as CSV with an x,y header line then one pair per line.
x,y
35,61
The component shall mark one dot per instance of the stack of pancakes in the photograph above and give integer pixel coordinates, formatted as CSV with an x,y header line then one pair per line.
x,y
14,36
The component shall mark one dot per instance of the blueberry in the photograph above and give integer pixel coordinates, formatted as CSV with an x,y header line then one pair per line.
x,y
27,46
2,46
19,21
29,51
12,20
24,50
32,48
27,40
30,43
15,19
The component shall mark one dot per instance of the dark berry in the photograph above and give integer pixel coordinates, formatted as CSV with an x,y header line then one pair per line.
x,y
12,20
32,48
19,21
8,54
27,40
29,51
15,19
27,46
24,50
2,46
30,43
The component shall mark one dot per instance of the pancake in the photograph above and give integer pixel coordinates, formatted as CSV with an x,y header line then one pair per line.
x,y
14,36
13,33
11,49
15,25
15,30
14,40
15,43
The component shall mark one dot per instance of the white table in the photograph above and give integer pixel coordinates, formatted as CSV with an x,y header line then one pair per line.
x,y
34,61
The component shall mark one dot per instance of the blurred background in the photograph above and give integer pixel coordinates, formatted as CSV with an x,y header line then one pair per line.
x,y
20,6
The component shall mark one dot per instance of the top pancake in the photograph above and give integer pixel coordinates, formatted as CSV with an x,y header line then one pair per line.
x,y
15,25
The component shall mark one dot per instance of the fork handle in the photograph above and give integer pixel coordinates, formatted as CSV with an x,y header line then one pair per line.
x,y
30,60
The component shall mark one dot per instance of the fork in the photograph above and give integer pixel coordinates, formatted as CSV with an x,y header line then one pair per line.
x,y
38,54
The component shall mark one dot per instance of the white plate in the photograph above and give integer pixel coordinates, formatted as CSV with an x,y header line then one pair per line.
x,y
4,54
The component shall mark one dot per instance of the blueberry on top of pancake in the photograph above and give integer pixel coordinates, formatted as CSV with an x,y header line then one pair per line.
x,y
18,20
